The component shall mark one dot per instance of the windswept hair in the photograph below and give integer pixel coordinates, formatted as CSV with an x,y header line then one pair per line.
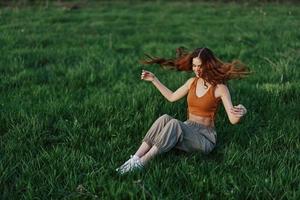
x,y
214,71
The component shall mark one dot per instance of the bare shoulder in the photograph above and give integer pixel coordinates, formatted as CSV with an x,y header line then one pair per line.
x,y
189,82
221,90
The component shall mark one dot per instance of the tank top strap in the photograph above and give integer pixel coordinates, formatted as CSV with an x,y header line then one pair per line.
x,y
212,90
194,83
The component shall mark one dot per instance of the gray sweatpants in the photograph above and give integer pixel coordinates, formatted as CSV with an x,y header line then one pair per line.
x,y
167,133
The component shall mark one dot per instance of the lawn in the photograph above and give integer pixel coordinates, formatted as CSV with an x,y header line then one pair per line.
x,y
73,107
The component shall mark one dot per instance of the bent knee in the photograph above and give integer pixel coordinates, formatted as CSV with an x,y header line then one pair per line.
x,y
166,117
173,122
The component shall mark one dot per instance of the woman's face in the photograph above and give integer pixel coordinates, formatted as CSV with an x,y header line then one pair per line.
x,y
197,66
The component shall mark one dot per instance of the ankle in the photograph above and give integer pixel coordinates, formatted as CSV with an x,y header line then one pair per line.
x,y
136,156
143,160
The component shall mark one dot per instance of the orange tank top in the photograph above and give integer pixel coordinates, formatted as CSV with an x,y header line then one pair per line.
x,y
206,105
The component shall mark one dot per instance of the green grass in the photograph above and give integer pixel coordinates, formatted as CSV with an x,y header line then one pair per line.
x,y
73,108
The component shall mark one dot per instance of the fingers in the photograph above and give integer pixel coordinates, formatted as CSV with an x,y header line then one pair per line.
x,y
241,107
143,74
235,110
238,111
146,74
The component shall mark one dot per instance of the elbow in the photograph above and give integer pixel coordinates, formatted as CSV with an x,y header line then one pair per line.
x,y
234,121
171,100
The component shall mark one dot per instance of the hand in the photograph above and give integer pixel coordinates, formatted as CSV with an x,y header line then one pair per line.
x,y
147,76
238,111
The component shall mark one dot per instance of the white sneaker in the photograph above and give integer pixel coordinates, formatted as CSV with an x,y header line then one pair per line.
x,y
130,165
126,163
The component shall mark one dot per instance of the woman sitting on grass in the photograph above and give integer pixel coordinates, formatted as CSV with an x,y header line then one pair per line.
x,y
204,93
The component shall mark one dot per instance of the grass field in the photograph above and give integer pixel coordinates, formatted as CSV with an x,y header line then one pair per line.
x,y
73,107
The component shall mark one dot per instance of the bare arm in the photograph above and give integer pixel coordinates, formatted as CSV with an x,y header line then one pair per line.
x,y
234,113
166,92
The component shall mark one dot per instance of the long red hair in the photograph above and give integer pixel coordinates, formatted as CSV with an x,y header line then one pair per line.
x,y
214,70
